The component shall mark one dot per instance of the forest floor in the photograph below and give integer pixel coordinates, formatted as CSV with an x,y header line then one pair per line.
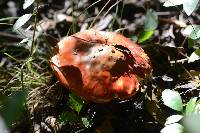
x,y
50,107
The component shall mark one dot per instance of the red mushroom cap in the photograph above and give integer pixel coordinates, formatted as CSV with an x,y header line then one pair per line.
x,y
100,66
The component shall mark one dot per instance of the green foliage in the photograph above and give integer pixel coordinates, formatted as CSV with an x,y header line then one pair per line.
x,y
3,127
190,115
28,3
24,41
17,27
67,117
194,56
150,24
145,35
20,75
188,5
75,102
173,128
191,123
173,119
21,21
191,106
11,107
191,43
73,116
151,21
172,99
191,31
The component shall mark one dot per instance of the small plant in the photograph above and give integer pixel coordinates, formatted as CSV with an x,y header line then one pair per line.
x,y
73,117
24,19
150,25
188,116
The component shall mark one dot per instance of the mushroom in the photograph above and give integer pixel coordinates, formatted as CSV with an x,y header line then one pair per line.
x,y
100,66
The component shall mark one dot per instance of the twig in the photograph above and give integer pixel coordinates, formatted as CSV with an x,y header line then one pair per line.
x,y
89,7
34,29
189,74
121,29
99,14
179,61
111,8
173,21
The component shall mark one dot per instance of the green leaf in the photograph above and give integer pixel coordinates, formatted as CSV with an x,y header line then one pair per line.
x,y
21,21
173,128
192,31
169,3
191,42
27,3
173,119
150,24
3,126
151,21
11,107
188,5
75,102
197,107
191,123
194,56
67,117
25,40
145,35
191,106
172,99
